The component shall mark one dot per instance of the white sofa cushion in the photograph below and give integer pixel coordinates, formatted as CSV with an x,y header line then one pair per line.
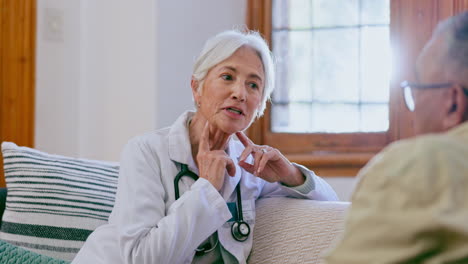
x,y
291,230
54,202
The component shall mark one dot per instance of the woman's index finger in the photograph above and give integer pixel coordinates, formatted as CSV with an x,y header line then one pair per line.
x,y
205,138
244,139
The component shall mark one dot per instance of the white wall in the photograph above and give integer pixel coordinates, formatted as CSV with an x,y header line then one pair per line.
x,y
118,95
343,186
57,76
96,75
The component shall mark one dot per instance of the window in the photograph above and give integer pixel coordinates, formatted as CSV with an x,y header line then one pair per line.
x,y
326,114
333,66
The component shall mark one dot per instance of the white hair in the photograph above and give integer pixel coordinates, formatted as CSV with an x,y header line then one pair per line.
x,y
223,45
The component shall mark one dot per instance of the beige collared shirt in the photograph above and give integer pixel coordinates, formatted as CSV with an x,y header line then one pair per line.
x,y
411,204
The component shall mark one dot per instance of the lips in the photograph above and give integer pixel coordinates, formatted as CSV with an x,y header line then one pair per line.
x,y
234,110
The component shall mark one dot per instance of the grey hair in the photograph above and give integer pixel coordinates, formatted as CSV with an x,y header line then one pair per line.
x,y
456,50
223,45
455,30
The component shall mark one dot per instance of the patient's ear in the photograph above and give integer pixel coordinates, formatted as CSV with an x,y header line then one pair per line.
x,y
455,107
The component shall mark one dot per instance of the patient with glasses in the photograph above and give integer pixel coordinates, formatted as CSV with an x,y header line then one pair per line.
x,y
411,204
186,193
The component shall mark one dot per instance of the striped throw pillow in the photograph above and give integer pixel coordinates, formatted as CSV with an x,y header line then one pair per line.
x,y
54,202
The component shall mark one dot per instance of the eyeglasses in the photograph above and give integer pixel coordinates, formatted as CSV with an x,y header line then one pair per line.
x,y
408,95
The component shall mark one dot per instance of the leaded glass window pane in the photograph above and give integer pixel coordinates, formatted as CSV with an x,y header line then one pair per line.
x,y
333,66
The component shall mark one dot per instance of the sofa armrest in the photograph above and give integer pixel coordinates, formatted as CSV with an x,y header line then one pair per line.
x,y
291,230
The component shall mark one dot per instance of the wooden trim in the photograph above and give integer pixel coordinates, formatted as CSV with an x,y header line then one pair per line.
x,y
259,19
332,164
302,143
333,172
459,6
332,159
17,72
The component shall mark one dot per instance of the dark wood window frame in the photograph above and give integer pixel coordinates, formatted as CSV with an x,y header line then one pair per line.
x,y
411,25
17,73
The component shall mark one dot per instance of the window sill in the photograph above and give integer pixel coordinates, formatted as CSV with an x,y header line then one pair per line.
x,y
332,164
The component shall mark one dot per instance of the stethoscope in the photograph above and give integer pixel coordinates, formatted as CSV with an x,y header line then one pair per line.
x,y
240,230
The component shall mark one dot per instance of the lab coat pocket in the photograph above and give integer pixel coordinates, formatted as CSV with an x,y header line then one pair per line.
x,y
248,210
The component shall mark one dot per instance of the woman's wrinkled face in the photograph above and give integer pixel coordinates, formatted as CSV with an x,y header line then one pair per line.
x,y
232,91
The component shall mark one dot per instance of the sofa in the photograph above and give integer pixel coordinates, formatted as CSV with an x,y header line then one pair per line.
x,y
53,202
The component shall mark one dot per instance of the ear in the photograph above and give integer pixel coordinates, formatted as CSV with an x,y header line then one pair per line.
x,y
456,104
195,91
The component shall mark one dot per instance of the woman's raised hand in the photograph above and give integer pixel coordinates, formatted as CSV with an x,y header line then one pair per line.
x,y
213,160
269,164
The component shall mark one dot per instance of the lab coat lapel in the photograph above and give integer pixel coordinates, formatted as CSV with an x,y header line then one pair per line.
x,y
180,149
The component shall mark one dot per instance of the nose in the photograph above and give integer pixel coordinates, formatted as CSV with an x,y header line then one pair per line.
x,y
239,92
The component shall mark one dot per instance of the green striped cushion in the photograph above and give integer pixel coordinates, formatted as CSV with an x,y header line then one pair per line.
x,y
54,202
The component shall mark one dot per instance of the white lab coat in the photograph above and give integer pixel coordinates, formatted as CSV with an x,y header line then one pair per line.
x,y
147,224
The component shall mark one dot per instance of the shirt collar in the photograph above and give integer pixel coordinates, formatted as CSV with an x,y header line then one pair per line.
x,y
460,130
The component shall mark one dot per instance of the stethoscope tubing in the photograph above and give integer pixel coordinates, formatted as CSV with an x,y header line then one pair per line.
x,y
235,228
184,171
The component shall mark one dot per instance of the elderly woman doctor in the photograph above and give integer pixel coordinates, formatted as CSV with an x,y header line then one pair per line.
x,y
186,194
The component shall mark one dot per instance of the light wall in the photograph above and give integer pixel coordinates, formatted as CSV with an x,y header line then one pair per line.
x,y
118,72
96,75
58,78
111,69
343,186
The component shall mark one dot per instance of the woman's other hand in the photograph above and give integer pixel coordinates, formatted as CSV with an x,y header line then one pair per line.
x,y
212,160
269,164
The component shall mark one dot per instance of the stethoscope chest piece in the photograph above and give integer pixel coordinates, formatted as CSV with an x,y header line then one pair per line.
x,y
240,230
